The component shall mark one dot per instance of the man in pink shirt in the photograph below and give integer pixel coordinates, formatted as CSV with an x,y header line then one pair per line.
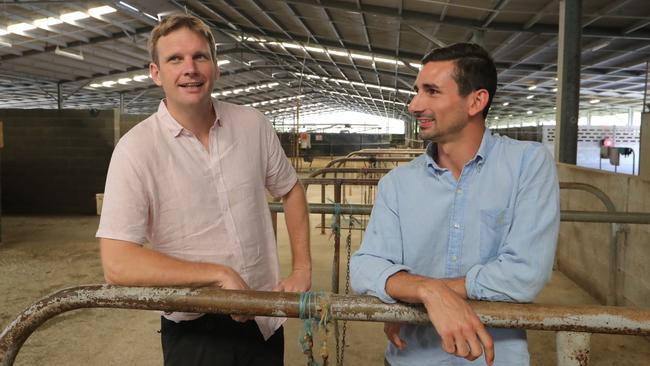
x,y
192,180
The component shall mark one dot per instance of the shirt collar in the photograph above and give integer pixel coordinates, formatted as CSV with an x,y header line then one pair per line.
x,y
487,142
172,124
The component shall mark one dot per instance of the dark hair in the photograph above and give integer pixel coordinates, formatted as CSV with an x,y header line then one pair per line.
x,y
475,68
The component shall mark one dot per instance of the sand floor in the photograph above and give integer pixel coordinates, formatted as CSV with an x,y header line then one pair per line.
x,y
40,255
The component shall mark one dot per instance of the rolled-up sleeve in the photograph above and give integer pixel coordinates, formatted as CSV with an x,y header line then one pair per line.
x,y
280,175
524,262
381,252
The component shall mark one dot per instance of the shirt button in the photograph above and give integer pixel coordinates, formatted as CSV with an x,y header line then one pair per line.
x,y
454,258
459,190
456,226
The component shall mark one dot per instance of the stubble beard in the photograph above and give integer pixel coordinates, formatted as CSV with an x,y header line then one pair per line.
x,y
436,135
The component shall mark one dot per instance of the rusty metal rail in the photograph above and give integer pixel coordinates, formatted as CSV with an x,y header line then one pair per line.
x,y
369,159
585,319
565,215
386,152
323,171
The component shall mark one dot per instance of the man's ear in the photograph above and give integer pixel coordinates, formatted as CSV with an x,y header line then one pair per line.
x,y
155,73
478,101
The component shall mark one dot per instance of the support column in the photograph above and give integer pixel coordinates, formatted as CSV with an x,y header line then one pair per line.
x,y
644,146
568,97
1,146
573,348
59,96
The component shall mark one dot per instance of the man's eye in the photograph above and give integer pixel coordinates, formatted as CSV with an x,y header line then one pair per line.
x,y
432,91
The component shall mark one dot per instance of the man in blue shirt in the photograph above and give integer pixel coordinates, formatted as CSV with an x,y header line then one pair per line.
x,y
475,217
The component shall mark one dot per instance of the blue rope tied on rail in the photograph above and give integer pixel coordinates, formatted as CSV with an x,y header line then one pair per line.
x,y
311,321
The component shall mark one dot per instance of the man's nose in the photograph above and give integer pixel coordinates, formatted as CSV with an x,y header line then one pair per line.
x,y
414,105
189,66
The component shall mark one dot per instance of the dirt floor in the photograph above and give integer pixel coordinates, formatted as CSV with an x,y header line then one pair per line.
x,y
40,255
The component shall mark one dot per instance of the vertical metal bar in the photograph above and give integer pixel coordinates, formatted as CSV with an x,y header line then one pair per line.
x,y
322,216
646,105
569,51
573,348
337,241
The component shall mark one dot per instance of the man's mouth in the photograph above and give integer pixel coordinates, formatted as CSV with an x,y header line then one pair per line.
x,y
426,122
195,84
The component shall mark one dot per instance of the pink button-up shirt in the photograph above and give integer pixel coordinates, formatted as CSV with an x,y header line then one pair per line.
x,y
198,204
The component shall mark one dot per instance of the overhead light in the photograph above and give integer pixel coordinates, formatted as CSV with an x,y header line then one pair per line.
x,y
124,81
529,112
20,28
129,6
223,62
505,104
151,16
108,84
46,22
496,117
532,87
140,78
594,101
74,16
530,97
101,10
554,90
69,54
95,85
5,44
3,32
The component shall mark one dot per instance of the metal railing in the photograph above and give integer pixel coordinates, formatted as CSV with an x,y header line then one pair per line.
x,y
386,152
573,323
612,284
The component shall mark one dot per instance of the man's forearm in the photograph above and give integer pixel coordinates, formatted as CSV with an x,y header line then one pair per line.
x,y
297,221
129,264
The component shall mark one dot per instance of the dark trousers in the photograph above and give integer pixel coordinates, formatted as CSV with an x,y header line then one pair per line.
x,y
217,340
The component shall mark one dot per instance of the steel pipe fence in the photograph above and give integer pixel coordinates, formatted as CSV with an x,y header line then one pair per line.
x,y
580,319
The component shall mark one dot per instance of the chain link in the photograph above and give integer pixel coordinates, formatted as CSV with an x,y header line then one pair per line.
x,y
340,351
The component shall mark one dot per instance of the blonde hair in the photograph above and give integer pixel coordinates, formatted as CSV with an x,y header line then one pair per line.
x,y
178,21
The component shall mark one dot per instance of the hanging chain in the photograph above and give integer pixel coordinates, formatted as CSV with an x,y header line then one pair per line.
x,y
340,352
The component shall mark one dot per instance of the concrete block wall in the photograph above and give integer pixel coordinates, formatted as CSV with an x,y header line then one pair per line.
x,y
54,162
583,248
127,121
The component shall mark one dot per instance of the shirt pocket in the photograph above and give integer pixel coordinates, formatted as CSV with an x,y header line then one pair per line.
x,y
494,225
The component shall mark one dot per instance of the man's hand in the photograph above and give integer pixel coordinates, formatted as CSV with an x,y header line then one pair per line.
x,y
392,333
229,279
461,331
298,281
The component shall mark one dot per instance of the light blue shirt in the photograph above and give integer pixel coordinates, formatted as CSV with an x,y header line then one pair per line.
x,y
497,226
